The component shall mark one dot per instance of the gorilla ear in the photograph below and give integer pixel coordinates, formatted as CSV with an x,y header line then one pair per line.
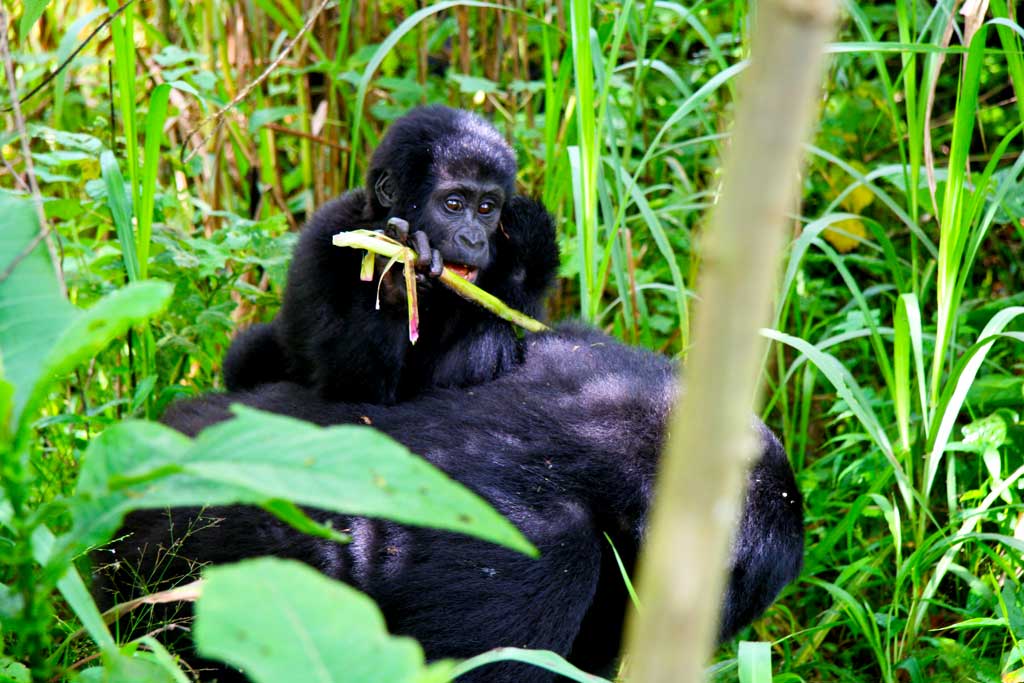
x,y
387,193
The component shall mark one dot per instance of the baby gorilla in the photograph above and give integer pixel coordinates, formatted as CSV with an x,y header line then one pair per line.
x,y
448,176
565,446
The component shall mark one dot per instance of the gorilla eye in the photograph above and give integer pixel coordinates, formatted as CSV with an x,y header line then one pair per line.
x,y
453,204
486,207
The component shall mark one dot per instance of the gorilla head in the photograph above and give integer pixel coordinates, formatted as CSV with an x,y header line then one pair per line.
x,y
448,173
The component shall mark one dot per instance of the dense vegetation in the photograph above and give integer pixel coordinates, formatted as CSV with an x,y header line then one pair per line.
x,y
897,377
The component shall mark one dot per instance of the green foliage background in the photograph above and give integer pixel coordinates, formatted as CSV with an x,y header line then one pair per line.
x,y
897,381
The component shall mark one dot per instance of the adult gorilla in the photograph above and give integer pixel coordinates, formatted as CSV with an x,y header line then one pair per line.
x,y
565,446
450,176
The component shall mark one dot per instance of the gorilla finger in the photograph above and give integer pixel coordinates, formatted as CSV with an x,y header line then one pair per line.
x,y
421,243
436,263
398,229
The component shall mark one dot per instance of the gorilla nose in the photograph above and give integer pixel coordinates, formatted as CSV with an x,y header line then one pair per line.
x,y
472,242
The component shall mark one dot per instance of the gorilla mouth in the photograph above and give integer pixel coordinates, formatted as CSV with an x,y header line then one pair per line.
x,y
465,272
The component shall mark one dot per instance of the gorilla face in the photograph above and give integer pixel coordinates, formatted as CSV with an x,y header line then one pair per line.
x,y
448,174
458,213
460,218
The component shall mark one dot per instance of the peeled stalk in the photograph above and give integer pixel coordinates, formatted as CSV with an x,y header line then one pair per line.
x,y
377,243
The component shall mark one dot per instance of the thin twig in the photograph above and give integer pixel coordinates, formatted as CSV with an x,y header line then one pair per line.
x,y
219,114
19,124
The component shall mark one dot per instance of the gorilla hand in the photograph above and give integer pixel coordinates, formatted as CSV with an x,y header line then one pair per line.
x,y
427,259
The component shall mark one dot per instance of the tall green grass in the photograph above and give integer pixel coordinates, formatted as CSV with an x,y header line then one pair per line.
x,y
920,370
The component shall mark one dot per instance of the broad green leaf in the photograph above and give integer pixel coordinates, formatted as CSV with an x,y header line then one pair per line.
x,y
261,459
473,84
88,332
32,311
262,117
273,618
173,55
13,672
544,659
43,336
88,146
119,667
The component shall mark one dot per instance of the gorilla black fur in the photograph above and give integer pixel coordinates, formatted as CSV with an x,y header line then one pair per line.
x,y
450,176
565,446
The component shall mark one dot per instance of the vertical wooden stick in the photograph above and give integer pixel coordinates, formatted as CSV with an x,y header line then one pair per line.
x,y
710,442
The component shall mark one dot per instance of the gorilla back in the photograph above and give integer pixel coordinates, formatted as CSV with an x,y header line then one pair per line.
x,y
448,176
566,446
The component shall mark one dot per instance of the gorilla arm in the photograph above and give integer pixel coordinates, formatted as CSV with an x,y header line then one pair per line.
x,y
334,335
